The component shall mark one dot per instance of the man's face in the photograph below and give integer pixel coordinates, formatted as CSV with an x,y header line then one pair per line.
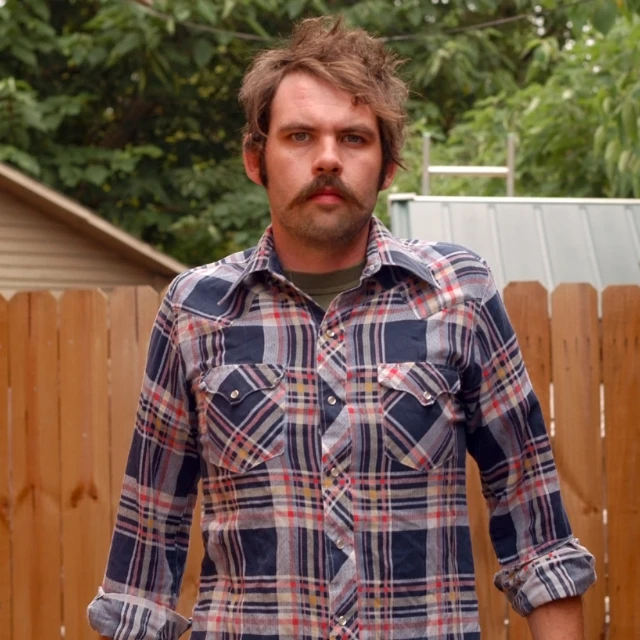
x,y
323,159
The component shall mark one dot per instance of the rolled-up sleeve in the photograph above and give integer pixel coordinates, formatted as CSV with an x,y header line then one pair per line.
x,y
116,615
540,559
148,551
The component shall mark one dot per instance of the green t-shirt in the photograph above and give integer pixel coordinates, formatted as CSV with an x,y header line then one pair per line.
x,y
324,287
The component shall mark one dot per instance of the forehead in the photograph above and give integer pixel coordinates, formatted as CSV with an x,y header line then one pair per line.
x,y
302,96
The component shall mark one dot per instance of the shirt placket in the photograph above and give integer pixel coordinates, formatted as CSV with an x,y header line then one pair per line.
x,y
336,472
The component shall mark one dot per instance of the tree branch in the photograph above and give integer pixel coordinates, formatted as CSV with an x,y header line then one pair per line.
x,y
145,5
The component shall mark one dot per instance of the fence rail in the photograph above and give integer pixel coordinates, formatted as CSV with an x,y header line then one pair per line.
x,y
70,374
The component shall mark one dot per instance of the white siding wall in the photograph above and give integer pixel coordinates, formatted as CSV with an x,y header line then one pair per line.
x,y
37,252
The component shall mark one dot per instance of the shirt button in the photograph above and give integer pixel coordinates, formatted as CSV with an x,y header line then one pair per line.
x,y
427,396
331,400
340,543
234,394
334,472
342,621
330,334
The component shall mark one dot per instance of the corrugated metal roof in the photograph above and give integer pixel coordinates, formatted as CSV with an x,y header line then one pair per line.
x,y
550,240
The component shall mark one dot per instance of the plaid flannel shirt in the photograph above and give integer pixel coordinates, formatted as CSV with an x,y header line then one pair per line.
x,y
331,448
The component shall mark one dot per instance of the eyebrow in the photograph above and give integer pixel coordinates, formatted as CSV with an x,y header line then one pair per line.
x,y
301,126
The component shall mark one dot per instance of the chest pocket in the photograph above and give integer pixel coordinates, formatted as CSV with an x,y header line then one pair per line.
x,y
418,412
241,415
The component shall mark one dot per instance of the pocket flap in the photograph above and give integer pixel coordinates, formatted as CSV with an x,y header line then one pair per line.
x,y
234,382
423,380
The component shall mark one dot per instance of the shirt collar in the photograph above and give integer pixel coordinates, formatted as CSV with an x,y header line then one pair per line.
x,y
383,249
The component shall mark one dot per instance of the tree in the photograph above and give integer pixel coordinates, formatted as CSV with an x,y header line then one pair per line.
x,y
130,106
577,130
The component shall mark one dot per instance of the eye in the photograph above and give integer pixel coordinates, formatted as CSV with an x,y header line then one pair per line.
x,y
300,136
353,138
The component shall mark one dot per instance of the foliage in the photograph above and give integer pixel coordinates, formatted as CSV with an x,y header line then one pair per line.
x,y
577,131
130,106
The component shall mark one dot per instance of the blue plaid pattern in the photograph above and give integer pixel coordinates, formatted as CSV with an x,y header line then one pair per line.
x,y
331,449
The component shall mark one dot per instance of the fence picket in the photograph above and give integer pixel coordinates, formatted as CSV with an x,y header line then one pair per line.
x,y
23,521
85,452
147,304
44,446
528,307
125,383
577,444
621,361
21,515
5,469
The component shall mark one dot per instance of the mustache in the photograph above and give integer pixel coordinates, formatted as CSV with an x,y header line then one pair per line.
x,y
325,181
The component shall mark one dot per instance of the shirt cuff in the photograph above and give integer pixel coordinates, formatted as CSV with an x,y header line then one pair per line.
x,y
564,571
122,617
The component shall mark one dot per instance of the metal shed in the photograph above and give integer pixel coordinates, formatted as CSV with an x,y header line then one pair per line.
x,y
549,240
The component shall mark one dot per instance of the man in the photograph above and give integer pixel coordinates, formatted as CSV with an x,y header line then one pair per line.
x,y
325,386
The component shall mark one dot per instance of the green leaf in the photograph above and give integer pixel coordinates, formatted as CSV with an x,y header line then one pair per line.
x,y
183,13
229,6
124,46
20,159
533,105
611,155
157,68
629,121
41,9
604,16
205,8
96,56
96,174
257,27
203,51
599,139
26,55
623,160
71,175
295,8
149,150
416,16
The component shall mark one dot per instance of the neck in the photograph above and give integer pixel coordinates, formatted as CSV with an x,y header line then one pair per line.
x,y
318,258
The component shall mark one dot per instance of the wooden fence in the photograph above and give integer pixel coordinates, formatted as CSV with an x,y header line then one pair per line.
x,y
70,373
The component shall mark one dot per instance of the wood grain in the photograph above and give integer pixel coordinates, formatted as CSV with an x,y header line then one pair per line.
x,y
125,384
621,359
577,444
5,469
528,307
492,603
86,491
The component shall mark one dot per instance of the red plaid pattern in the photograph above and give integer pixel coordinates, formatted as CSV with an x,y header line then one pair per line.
x,y
331,448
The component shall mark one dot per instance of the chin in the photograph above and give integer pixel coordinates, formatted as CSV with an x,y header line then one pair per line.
x,y
336,231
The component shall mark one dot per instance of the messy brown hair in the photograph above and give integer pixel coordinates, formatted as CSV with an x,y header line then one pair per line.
x,y
349,59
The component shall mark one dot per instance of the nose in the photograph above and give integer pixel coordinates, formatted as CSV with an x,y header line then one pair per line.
x,y
327,159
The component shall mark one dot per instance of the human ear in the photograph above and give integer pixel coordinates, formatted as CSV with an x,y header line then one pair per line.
x,y
389,175
251,159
